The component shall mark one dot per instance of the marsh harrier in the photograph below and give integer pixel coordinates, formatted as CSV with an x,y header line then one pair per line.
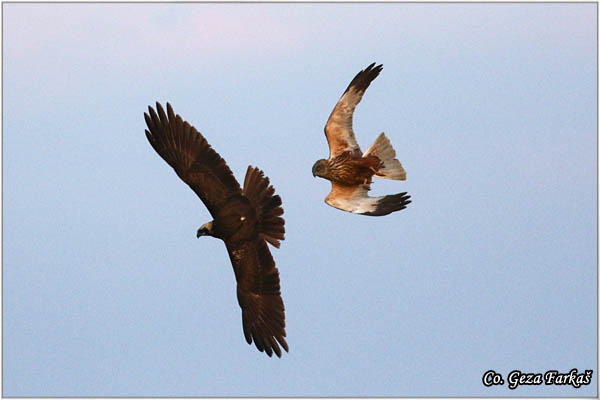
x,y
348,168
244,218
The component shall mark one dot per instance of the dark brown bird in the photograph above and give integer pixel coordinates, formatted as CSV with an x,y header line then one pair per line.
x,y
349,170
245,219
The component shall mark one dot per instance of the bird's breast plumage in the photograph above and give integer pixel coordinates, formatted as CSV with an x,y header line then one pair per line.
x,y
236,221
348,169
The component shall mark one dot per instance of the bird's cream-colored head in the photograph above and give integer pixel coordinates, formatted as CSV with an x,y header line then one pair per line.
x,y
205,230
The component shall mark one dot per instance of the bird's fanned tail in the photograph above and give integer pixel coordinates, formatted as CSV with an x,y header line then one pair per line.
x,y
382,149
258,190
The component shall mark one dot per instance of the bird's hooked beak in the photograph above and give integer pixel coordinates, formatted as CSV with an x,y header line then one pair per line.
x,y
314,170
205,230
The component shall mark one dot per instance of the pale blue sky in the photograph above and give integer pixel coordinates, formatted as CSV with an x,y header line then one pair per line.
x,y
490,107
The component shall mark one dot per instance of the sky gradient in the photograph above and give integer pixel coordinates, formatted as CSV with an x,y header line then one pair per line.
x,y
491,109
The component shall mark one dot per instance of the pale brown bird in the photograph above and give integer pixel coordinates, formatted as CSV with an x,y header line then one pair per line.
x,y
348,168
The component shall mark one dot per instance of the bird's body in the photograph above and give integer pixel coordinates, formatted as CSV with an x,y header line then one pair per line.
x,y
244,218
236,221
348,168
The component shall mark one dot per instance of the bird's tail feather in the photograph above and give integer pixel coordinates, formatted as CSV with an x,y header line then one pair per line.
x,y
262,195
382,148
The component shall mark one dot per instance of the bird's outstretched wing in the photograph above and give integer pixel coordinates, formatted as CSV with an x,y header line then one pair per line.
x,y
355,199
192,158
338,129
258,293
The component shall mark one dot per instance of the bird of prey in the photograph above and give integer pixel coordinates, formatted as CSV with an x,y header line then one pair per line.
x,y
244,218
348,168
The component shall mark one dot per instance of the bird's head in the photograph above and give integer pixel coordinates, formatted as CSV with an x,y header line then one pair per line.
x,y
205,230
320,168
